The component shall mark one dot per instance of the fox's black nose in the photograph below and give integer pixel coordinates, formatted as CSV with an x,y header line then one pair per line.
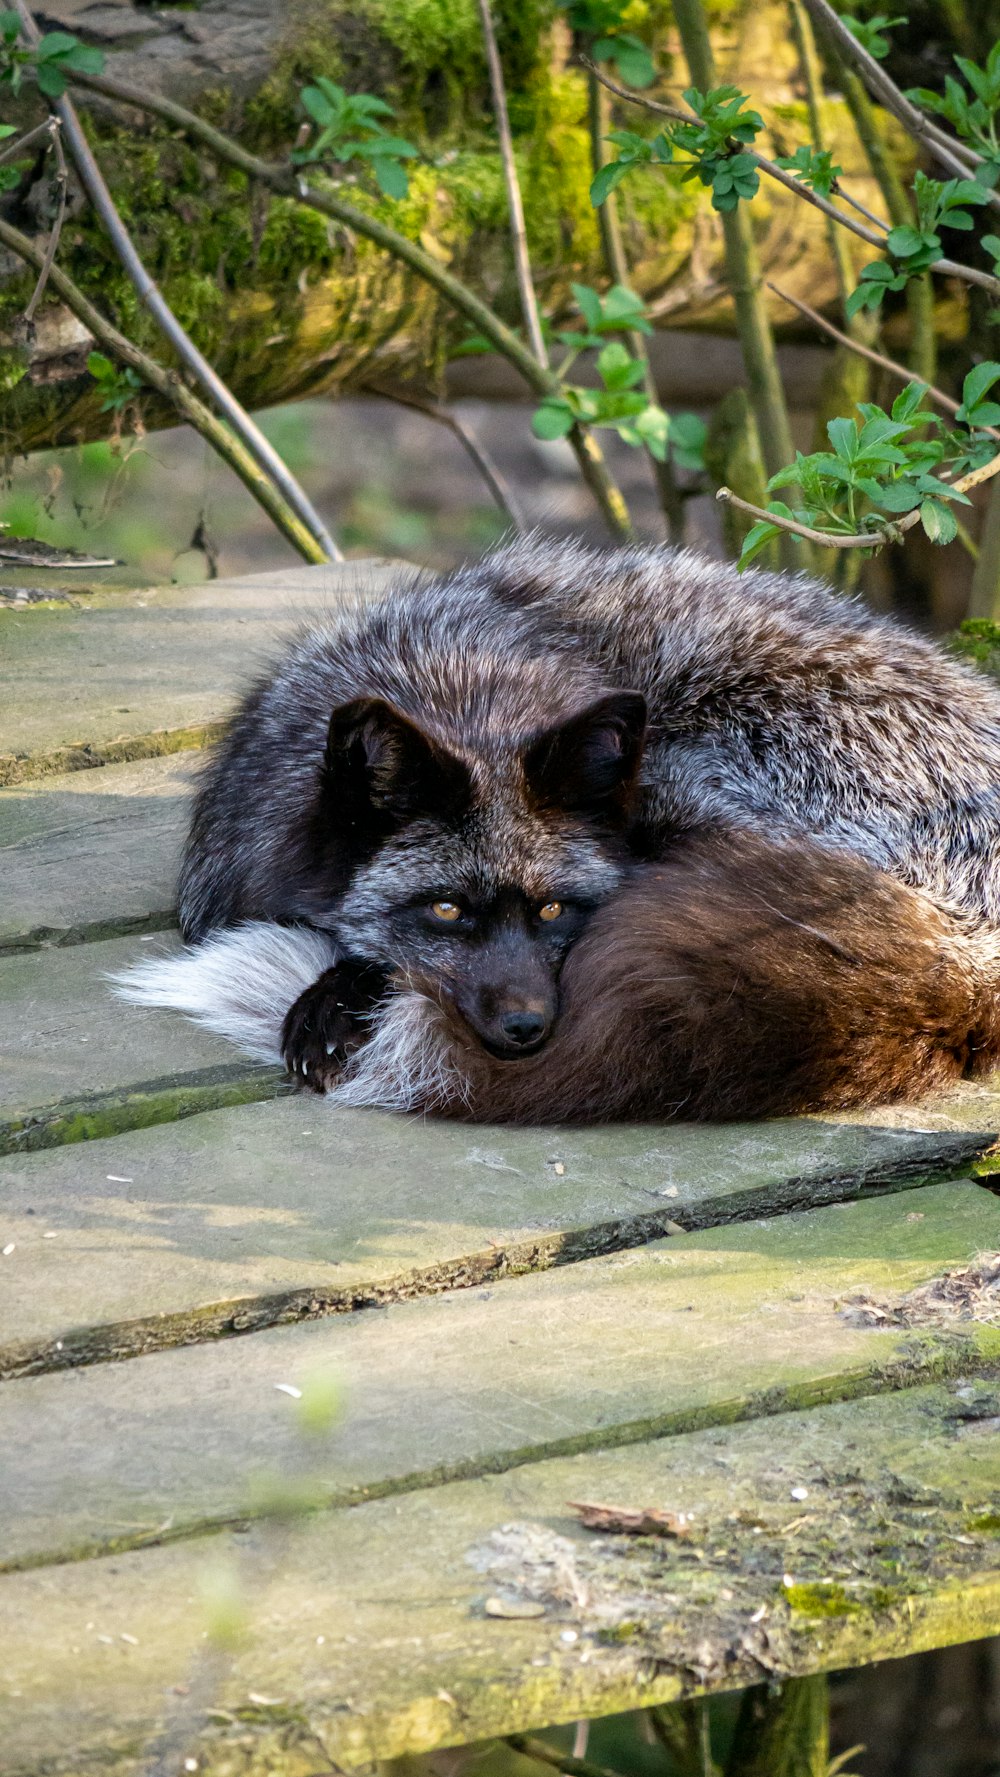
x,y
523,1028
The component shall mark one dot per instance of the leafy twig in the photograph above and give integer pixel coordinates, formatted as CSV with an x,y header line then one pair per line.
x,y
899,371
288,184
890,532
252,438
948,267
19,146
497,483
956,156
168,384
518,233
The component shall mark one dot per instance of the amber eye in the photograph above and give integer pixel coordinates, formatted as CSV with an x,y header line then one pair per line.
x,y
551,910
446,910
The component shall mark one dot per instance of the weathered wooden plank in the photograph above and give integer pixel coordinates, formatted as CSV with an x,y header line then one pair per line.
x,y
93,853
281,1211
699,1329
75,1062
833,1537
136,675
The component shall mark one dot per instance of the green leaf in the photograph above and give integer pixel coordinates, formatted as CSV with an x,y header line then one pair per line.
x,y
979,379
589,304
938,521
907,240
390,177
909,401
553,419
756,539
606,179
318,105
99,366
653,428
617,368
688,434
843,435
633,60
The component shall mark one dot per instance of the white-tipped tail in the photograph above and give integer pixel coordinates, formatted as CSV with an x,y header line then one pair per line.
x,y
239,984
407,1063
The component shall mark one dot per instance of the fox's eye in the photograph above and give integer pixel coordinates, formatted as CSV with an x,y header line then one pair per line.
x,y
551,910
446,910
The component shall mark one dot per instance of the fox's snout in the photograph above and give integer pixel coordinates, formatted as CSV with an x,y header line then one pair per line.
x,y
508,1025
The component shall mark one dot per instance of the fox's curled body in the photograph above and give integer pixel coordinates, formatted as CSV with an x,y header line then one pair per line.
x,y
787,890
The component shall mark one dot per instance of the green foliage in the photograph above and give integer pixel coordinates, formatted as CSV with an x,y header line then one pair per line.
x,y
347,127
887,465
714,139
117,386
870,33
814,167
601,22
618,403
914,247
10,174
57,55
688,437
973,118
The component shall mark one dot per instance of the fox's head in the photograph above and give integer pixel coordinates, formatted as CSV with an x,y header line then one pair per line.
x,y
477,863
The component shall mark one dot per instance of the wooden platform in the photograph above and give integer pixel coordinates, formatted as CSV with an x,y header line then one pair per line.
x,y
294,1401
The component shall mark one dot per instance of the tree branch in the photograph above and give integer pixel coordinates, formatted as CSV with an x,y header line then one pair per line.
x,y
288,184
892,529
899,371
958,157
518,232
168,384
497,483
149,293
61,182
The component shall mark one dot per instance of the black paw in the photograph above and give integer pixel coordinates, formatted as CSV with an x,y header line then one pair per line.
x,y
329,1020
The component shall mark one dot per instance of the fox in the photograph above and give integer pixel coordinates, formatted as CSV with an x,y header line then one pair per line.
x,y
466,783
424,778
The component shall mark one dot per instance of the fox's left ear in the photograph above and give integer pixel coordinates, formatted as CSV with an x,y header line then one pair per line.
x,y
588,764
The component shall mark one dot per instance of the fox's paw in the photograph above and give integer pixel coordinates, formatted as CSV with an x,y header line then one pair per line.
x,y
328,1021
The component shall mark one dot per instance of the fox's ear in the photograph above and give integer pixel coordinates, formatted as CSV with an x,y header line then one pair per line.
x,y
589,763
378,759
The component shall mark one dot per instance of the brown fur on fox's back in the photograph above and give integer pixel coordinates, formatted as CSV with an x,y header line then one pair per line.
x,y
741,978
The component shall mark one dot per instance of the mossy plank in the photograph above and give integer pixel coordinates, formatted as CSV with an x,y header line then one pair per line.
x,y
363,1634
92,853
64,1037
699,1329
293,1209
152,672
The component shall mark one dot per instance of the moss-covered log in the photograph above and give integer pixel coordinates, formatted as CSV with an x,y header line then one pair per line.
x,y
287,303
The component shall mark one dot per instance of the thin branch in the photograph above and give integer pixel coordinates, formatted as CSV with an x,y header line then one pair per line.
x,y
671,500
286,183
149,293
168,384
61,183
862,209
891,532
899,371
958,157
13,149
948,267
518,232
495,480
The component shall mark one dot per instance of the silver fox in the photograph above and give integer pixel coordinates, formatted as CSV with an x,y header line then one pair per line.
x,y
508,749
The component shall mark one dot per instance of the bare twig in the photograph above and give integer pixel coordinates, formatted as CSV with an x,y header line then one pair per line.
x,y
497,482
948,267
149,293
529,1747
168,384
892,529
286,183
671,500
899,371
813,80
519,237
958,157
862,209
22,143
61,182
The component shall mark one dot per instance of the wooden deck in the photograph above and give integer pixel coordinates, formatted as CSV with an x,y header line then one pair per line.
x,y
294,1401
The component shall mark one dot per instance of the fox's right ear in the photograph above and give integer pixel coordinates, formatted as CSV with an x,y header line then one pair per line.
x,y
377,759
